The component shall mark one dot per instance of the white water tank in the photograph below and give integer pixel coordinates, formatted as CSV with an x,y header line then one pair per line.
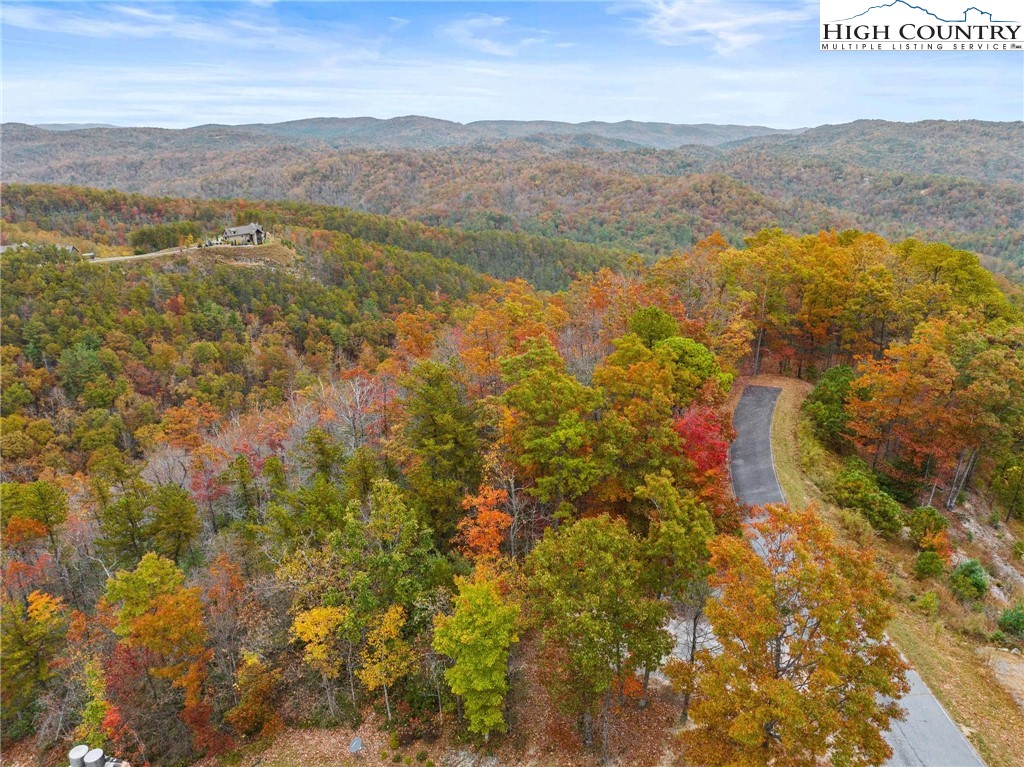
x,y
77,755
94,758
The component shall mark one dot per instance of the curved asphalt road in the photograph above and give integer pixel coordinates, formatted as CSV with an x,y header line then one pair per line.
x,y
927,737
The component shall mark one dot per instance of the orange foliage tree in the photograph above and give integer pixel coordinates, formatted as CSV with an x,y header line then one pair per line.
x,y
804,668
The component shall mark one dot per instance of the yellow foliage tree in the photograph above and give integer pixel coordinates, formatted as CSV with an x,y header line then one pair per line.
x,y
318,628
387,657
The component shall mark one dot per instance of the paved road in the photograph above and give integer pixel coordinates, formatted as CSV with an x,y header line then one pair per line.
x,y
927,737
750,457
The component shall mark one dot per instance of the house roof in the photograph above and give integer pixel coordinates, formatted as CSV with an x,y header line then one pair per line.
x,y
247,229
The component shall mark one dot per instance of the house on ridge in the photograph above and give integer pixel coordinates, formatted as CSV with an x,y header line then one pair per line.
x,y
250,234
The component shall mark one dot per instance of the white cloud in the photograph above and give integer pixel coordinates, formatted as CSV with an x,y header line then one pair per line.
x,y
488,34
121,22
726,26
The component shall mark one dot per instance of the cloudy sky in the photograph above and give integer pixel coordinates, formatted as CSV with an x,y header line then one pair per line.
x,y
691,61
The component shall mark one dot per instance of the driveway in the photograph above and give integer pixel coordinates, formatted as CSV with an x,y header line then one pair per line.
x,y
927,737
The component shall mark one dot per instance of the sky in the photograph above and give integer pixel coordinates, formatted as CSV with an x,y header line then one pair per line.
x,y
682,61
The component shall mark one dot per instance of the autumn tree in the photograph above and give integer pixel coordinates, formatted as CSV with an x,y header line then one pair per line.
x,y
381,556
387,657
32,634
484,531
41,501
589,597
258,685
331,598
320,630
904,412
477,637
224,596
695,370
163,639
804,670
1009,486
637,383
705,434
653,325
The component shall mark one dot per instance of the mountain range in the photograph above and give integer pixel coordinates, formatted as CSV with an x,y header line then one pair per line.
x,y
650,187
415,132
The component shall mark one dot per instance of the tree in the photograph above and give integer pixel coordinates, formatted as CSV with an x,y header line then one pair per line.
x,y
900,401
680,528
310,513
256,711
693,367
552,427
438,445
653,325
135,592
681,670
320,629
161,519
928,532
333,597
163,639
804,669
484,532
316,628
174,523
637,384
928,564
124,528
94,712
1009,487
704,436
32,634
41,501
183,427
78,367
387,657
826,406
477,637
588,592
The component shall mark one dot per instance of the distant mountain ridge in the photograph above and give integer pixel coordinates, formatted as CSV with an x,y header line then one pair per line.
x,y
416,132
960,182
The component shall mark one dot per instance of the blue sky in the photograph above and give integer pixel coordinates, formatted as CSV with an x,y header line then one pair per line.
x,y
689,61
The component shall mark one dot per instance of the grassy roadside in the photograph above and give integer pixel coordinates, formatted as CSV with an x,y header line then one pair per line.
x,y
965,685
947,661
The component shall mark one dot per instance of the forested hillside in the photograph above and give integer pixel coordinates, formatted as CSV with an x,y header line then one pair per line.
x,y
369,484
112,219
958,182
